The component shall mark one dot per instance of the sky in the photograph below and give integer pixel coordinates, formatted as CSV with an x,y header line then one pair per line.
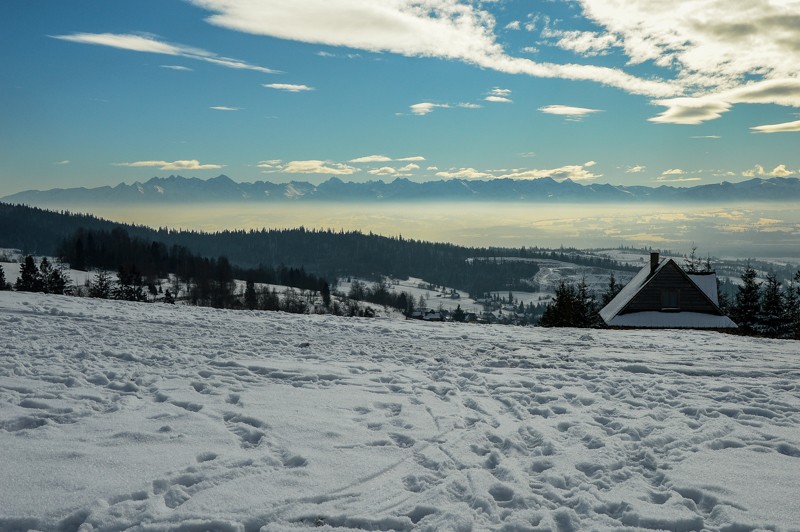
x,y
634,92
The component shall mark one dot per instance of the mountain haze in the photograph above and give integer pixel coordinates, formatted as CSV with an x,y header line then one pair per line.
x,y
178,189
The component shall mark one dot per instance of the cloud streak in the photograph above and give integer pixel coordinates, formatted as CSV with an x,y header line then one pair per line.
x,y
149,44
786,127
192,164
445,29
288,87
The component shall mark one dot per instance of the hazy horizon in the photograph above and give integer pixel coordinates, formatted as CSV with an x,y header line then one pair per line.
x,y
741,230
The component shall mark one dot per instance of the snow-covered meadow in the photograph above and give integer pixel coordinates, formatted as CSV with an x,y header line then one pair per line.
x,y
118,415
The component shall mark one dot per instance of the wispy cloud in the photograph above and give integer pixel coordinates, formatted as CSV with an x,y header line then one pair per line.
x,y
463,173
673,171
498,95
571,113
672,179
424,108
385,159
150,44
786,127
318,167
192,164
636,169
288,87
438,28
62,163
179,68
371,159
705,137
225,108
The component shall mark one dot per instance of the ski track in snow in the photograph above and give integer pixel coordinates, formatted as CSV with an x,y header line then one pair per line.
x,y
119,416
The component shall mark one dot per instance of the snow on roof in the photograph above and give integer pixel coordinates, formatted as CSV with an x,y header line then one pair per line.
x,y
628,291
707,282
672,320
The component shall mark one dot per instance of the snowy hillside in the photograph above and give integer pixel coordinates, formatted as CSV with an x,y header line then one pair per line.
x,y
119,415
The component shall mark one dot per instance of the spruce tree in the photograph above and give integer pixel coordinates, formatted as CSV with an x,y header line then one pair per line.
x,y
101,285
458,314
326,294
250,297
772,320
792,306
747,306
29,280
611,291
3,284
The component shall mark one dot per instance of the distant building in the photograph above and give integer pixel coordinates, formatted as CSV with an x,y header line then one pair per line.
x,y
662,295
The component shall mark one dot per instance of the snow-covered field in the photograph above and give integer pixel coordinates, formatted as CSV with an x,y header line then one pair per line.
x,y
118,415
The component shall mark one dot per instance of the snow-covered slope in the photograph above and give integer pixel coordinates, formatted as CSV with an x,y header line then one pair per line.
x,y
118,415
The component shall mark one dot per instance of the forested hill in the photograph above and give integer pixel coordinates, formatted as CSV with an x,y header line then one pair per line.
x,y
322,252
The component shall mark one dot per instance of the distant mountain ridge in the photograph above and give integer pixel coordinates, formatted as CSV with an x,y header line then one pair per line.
x,y
178,189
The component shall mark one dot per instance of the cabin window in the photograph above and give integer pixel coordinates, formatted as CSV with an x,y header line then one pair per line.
x,y
670,299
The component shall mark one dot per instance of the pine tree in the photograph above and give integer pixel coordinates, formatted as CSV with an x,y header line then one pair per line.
x,y
747,306
611,291
101,285
250,297
561,310
458,314
772,320
326,294
29,280
792,306
3,284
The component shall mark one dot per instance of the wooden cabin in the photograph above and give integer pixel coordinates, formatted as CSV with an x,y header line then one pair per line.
x,y
662,295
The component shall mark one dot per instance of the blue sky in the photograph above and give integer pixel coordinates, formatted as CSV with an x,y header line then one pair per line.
x,y
94,92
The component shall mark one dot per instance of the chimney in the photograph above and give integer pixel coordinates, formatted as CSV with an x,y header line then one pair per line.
x,y
653,262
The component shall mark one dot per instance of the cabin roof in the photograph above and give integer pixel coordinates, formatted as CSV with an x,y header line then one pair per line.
x,y
704,282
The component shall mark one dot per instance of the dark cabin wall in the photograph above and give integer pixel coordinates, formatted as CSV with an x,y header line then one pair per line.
x,y
692,298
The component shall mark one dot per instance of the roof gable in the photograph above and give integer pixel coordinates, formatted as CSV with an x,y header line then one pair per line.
x,y
642,295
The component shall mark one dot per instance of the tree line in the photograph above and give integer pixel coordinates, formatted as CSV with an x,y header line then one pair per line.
x,y
323,253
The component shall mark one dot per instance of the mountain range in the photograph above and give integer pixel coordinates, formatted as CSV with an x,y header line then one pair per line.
x,y
178,189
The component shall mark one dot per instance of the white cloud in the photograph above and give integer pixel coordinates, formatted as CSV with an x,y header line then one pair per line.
x,y
584,43
432,168
384,170
192,164
445,29
673,171
408,168
497,99
288,87
513,25
668,179
61,163
589,164
778,171
177,67
424,108
636,169
573,172
528,154
786,127
572,113
530,50
371,159
412,158
318,167
705,137
225,108
463,173
149,44
468,105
